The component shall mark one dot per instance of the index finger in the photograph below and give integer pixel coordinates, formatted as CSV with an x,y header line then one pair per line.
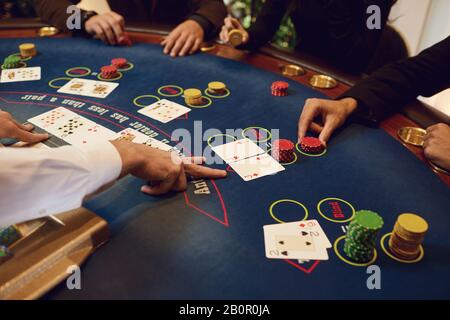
x,y
197,171
306,118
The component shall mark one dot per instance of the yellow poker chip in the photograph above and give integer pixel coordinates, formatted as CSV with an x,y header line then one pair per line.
x,y
236,37
216,86
192,93
412,223
27,50
27,46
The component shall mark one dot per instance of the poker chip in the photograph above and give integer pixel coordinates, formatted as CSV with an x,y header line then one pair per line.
x,y
312,145
27,50
193,96
108,72
125,41
217,87
283,150
361,236
4,253
119,62
235,37
407,236
11,62
279,88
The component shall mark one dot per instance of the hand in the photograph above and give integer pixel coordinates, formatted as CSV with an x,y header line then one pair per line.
x,y
10,128
230,24
184,39
108,27
164,171
437,145
333,115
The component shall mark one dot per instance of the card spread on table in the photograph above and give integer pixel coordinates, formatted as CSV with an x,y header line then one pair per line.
x,y
303,240
88,88
71,127
238,150
21,74
164,110
134,136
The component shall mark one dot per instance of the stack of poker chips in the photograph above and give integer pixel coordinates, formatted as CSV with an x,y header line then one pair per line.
x,y
193,97
280,88
9,235
4,253
283,150
361,236
119,63
108,72
235,37
124,41
312,145
407,236
217,87
27,50
11,62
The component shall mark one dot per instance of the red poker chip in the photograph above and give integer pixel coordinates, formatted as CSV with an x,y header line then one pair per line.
x,y
283,145
311,142
124,41
119,62
280,85
108,72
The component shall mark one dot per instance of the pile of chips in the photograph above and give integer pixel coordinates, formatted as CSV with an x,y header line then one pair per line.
x,y
217,87
312,145
9,235
361,236
4,253
124,41
283,150
235,37
12,62
108,72
280,88
193,97
27,50
119,63
407,236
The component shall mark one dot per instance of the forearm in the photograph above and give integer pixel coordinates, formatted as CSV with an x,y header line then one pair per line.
x,y
209,14
41,182
53,12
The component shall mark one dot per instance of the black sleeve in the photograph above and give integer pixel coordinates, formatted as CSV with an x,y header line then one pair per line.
x,y
54,11
396,84
266,24
209,14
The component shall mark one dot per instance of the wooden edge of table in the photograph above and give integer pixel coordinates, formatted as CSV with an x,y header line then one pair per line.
x,y
272,60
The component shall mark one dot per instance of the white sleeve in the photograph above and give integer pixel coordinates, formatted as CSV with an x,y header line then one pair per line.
x,y
40,182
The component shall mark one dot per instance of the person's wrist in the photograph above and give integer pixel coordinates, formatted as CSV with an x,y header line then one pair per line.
x,y
85,17
131,158
350,105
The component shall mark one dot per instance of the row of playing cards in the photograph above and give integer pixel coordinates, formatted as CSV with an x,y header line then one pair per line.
x,y
80,131
88,88
247,159
164,111
20,74
302,240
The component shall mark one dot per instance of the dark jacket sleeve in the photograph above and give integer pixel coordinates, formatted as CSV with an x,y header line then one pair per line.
x,y
210,14
396,84
53,12
266,24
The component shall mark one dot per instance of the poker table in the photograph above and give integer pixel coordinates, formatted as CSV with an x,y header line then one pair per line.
x,y
207,242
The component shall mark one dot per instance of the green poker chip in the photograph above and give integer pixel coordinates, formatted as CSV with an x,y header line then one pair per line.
x,y
368,219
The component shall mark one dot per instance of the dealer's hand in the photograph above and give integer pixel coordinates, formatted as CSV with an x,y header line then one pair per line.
x,y
164,171
231,23
10,128
184,39
437,145
332,115
108,27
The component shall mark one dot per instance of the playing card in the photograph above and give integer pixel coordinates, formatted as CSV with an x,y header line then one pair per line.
x,y
88,88
289,241
80,131
256,167
164,110
52,118
134,136
20,74
238,150
314,229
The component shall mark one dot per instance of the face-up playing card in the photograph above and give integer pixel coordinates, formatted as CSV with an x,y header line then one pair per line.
x,y
256,167
164,110
290,241
51,118
21,74
314,229
238,150
134,136
88,88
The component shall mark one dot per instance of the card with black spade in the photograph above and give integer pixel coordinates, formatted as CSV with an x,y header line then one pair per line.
x,y
291,241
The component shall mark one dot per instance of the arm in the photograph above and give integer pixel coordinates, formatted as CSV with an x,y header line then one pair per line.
x,y
41,182
53,12
394,85
209,14
267,23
